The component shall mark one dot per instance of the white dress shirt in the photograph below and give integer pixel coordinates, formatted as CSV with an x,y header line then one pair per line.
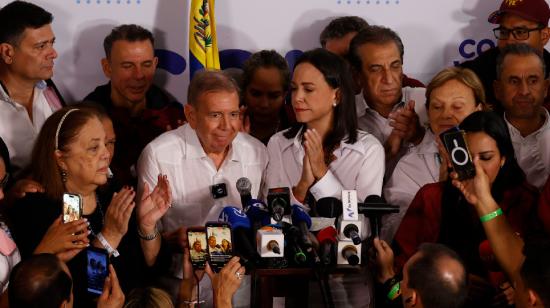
x,y
179,155
420,166
533,152
16,127
358,166
371,121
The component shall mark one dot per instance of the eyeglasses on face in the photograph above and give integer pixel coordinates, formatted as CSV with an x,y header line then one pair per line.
x,y
502,33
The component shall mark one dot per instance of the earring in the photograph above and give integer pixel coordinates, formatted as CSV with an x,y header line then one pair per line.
x,y
334,104
64,175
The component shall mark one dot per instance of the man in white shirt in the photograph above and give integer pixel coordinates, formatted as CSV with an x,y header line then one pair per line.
x,y
521,88
384,108
204,158
27,96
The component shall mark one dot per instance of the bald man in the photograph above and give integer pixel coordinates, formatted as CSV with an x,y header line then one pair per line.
x,y
433,277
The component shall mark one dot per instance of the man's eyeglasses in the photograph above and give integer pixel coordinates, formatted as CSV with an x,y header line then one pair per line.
x,y
502,33
4,181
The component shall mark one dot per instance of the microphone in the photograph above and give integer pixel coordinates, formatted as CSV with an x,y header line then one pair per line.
x,y
257,212
278,202
329,207
244,186
327,239
351,231
240,226
269,241
350,254
374,208
302,220
294,251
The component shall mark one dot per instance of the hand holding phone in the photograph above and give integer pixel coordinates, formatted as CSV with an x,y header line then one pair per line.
x,y
219,244
457,148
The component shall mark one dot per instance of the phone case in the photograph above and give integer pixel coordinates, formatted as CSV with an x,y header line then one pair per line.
x,y
457,149
72,207
219,244
97,269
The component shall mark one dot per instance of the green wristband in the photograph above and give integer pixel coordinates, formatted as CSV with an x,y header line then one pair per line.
x,y
395,291
490,216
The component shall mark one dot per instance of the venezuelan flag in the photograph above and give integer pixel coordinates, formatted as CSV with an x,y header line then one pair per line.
x,y
203,45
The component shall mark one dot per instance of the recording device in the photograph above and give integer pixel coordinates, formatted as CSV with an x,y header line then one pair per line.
x,y
457,148
292,246
97,269
302,220
218,190
72,207
350,225
244,187
219,244
197,242
240,227
374,208
270,242
327,243
278,202
348,253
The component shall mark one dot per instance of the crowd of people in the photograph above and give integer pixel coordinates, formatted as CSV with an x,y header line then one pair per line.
x,y
345,117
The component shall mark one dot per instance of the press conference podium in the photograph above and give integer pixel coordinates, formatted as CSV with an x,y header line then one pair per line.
x,y
288,282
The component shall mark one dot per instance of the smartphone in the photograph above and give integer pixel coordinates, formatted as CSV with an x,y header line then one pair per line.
x,y
196,238
219,244
457,148
72,207
97,269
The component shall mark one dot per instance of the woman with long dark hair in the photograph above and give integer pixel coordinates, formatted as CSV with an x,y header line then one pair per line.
x,y
440,213
324,153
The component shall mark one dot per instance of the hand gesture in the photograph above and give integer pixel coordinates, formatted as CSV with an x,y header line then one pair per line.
x,y
476,190
112,296
65,240
24,186
226,282
118,215
406,124
313,145
154,205
384,260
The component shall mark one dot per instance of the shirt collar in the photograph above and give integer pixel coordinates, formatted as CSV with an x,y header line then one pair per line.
x,y
515,132
428,144
194,149
4,95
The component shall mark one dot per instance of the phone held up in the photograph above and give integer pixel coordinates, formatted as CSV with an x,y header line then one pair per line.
x,y
196,238
72,207
97,269
219,244
455,143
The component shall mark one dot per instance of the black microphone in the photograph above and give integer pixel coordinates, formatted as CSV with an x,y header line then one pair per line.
x,y
244,187
327,241
240,228
278,202
302,220
351,231
329,207
374,208
349,253
295,253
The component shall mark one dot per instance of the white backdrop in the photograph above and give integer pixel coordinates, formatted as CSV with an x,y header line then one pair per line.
x,y
436,33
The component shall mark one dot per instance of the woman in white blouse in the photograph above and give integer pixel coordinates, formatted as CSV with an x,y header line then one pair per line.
x,y
324,153
452,95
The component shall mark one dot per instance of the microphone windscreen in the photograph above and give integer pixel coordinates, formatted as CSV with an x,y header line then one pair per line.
x,y
244,186
257,210
374,199
235,217
327,234
299,215
329,207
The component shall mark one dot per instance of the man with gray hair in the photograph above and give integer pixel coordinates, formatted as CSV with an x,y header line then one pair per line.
x,y
203,160
521,87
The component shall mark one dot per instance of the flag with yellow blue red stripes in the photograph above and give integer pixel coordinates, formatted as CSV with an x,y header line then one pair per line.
x,y
203,45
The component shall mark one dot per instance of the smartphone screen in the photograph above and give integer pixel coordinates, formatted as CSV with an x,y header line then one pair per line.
x,y
97,269
457,148
219,244
72,207
197,247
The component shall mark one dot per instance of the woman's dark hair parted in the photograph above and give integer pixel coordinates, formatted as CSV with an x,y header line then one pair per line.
x,y
337,74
